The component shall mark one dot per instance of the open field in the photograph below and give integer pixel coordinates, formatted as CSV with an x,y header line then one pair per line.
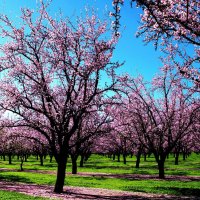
x,y
103,172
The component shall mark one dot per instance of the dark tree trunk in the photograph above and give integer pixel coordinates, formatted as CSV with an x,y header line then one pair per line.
x,y
137,165
4,158
74,164
124,158
176,158
161,168
37,157
82,160
26,157
41,160
51,158
9,158
113,156
118,157
60,174
184,155
145,157
21,164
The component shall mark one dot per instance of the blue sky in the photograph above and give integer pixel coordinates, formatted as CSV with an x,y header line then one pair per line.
x,y
139,59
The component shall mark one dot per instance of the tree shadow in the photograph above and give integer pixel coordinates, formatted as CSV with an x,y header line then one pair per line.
x,y
14,178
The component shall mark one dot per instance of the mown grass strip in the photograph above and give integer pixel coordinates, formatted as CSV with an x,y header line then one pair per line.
x,y
5,195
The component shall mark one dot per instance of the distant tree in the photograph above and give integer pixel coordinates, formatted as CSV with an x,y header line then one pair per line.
x,y
162,115
92,126
52,76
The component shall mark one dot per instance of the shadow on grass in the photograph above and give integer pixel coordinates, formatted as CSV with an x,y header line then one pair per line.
x,y
186,191
193,192
14,178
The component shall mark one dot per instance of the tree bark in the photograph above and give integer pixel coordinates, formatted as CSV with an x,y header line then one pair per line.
x,y
176,158
74,164
82,160
113,156
145,157
118,157
161,168
41,160
60,180
124,158
9,158
21,164
137,165
51,158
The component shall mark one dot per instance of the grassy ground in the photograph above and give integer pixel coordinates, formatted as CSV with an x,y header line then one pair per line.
x,y
5,195
190,167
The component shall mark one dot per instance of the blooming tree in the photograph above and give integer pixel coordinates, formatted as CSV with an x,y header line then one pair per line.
x,y
175,27
92,126
51,76
162,114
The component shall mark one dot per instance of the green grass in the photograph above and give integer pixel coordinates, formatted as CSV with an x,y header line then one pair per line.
x,y
5,195
102,164
152,186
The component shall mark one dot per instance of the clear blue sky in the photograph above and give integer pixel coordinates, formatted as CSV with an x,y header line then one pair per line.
x,y
138,57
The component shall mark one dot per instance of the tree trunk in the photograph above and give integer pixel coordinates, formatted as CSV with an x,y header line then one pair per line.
x,y
118,157
9,158
161,168
60,180
113,156
145,157
26,157
184,155
137,165
4,158
21,164
82,160
124,158
41,160
51,158
74,164
176,158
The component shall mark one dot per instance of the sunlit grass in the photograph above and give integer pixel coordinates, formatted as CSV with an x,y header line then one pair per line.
x,y
5,195
141,185
103,164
